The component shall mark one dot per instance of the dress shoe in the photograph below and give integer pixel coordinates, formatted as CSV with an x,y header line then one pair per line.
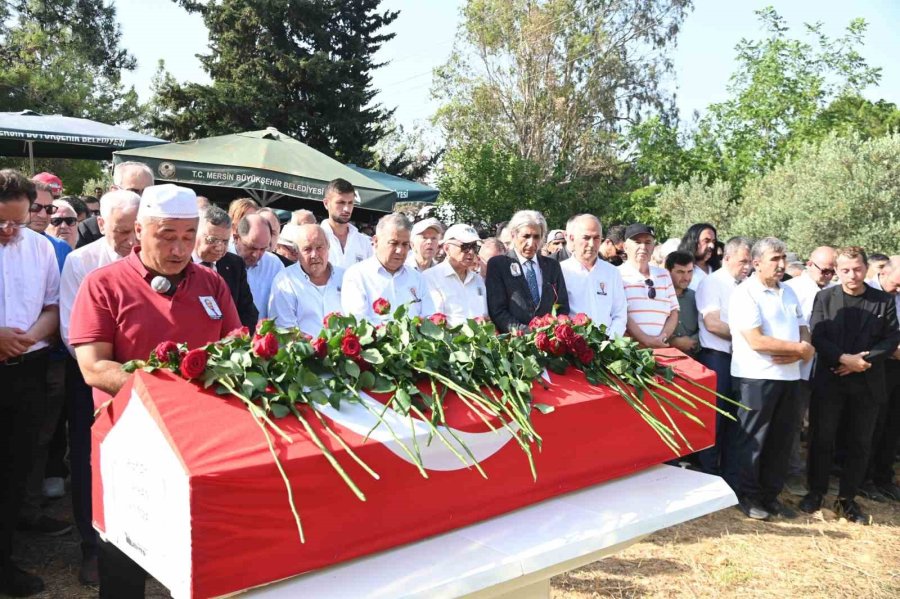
x,y
776,508
45,525
890,490
753,510
88,574
849,509
870,491
16,582
811,503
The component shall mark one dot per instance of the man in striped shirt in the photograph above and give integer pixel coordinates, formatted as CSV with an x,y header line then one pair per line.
x,y
652,302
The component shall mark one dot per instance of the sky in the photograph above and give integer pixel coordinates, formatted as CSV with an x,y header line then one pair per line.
x,y
425,31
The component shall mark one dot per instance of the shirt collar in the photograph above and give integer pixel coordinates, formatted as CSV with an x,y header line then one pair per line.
x,y
383,271
522,258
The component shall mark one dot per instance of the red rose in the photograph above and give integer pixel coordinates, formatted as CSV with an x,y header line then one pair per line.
x,y
565,333
165,350
381,306
328,317
438,319
363,365
578,344
239,332
271,389
563,318
350,346
581,319
586,356
536,323
265,346
320,347
193,365
261,323
542,341
557,347
481,320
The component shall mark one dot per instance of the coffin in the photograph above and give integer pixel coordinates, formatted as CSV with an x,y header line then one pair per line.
x,y
184,482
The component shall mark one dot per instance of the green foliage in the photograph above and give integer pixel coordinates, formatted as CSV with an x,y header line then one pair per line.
x,y
76,175
695,201
840,192
301,66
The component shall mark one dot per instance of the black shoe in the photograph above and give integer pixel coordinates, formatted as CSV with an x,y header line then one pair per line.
x,y
45,525
811,503
753,510
870,491
776,508
849,509
16,582
890,490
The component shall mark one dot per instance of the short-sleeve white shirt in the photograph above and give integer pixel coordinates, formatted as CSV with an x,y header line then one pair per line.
x,y
649,314
29,281
297,302
714,294
777,313
78,264
805,289
457,300
698,277
357,249
369,280
260,278
598,292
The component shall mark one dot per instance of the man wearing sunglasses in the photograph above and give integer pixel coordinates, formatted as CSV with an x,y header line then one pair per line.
x,y
40,211
649,292
455,288
128,176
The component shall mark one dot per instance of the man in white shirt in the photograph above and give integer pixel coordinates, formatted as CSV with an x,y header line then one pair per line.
x,y
456,290
347,245
251,242
649,292
820,270
770,338
385,275
118,212
712,297
595,287
425,239
29,318
302,294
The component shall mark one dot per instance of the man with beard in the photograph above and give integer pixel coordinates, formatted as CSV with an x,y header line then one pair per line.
x,y
594,286
346,245
386,276
305,292
456,289
251,243
123,311
211,252
700,242
769,340
426,238
652,303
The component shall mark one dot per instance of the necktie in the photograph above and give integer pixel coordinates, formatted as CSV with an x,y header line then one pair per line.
x,y
531,279
207,264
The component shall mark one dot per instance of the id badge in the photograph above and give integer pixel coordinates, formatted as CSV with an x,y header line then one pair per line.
x,y
212,308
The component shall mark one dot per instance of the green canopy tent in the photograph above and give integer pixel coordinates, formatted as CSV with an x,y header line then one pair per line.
x,y
266,165
404,190
29,134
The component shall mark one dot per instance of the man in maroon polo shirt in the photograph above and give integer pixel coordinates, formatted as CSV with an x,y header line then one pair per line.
x,y
123,310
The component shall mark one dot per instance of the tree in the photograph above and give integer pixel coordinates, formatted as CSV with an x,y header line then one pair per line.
x,y
406,154
301,66
696,201
554,82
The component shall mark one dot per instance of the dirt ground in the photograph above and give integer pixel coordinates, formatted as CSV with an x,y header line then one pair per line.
x,y
720,555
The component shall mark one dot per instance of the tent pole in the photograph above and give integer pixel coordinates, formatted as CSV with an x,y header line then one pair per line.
x,y
31,154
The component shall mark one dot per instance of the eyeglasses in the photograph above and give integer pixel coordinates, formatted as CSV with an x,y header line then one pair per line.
x,y
828,272
11,224
472,246
651,290
69,220
210,240
49,208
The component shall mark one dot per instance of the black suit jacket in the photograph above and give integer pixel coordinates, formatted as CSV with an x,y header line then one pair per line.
x,y
231,268
508,298
88,231
877,333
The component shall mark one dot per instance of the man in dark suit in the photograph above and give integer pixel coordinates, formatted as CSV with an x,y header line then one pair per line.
x,y
211,250
131,176
854,330
523,284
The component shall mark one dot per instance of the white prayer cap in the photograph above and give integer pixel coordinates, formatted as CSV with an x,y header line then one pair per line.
x,y
288,237
168,201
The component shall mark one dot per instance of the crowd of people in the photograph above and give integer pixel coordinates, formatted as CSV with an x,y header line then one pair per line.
x,y
89,284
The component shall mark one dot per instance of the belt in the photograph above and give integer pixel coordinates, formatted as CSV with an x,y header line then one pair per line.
x,y
25,358
715,351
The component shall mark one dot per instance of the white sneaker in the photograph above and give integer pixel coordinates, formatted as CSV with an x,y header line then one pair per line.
x,y
54,487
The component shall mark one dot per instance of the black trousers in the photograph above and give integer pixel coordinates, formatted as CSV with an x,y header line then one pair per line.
x,y
120,576
764,435
80,412
721,458
886,440
22,388
849,406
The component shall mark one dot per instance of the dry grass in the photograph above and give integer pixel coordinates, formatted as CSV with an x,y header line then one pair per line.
x,y
720,555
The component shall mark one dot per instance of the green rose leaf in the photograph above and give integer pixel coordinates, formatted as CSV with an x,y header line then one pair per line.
x,y
279,410
543,408
372,356
352,369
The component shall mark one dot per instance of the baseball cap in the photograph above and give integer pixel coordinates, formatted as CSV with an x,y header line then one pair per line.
x,y
462,233
288,235
50,179
556,235
635,229
168,201
429,223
